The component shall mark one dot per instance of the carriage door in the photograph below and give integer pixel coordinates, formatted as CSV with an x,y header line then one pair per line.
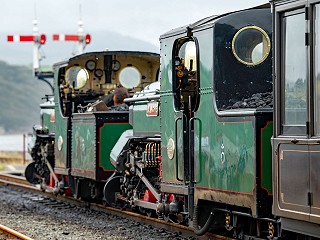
x,y
186,99
297,138
293,156
315,141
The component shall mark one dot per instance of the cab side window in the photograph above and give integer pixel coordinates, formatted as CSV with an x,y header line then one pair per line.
x,y
186,79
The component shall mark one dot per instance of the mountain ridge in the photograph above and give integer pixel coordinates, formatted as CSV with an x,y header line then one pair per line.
x,y
20,97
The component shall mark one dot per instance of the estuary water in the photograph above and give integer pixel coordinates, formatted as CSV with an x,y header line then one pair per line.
x,y
11,142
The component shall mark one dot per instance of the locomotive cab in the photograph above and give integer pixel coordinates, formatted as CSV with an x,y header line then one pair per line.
x,y
87,125
296,135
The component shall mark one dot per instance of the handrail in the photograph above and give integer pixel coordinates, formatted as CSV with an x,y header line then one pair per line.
x,y
140,99
176,145
193,119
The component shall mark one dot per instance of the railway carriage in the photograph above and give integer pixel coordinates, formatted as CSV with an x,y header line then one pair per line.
x,y
296,135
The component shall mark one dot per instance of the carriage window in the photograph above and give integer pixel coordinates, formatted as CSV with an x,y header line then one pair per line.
x,y
251,45
295,71
317,70
185,83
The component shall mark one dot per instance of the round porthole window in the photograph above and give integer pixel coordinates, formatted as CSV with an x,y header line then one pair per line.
x,y
251,45
130,77
77,76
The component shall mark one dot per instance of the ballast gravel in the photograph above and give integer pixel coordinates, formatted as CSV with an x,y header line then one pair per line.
x,y
24,213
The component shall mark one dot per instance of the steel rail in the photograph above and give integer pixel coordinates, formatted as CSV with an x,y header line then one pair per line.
x,y
14,233
10,176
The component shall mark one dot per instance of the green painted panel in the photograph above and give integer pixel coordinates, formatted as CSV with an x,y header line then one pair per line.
x,y
83,144
267,157
109,135
169,116
143,123
166,64
168,121
46,123
61,129
61,126
205,41
224,151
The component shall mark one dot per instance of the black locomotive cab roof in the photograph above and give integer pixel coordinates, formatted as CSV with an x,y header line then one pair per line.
x,y
206,22
284,1
137,53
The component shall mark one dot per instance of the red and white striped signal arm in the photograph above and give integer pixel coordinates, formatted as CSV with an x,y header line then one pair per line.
x,y
41,39
74,38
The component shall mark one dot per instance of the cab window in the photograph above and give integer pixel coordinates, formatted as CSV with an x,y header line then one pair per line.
x,y
186,79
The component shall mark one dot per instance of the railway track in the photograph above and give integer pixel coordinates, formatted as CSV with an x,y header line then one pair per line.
x,y
60,202
13,179
14,234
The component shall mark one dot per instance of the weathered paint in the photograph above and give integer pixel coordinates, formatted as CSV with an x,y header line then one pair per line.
x,y
61,131
93,137
84,144
227,159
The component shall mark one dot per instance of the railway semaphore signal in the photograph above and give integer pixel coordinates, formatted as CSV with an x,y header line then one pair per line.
x,y
82,39
37,39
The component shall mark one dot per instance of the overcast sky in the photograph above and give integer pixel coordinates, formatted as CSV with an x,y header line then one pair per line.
x,y
140,19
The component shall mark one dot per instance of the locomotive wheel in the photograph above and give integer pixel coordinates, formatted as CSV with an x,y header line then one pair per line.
x,y
110,189
31,175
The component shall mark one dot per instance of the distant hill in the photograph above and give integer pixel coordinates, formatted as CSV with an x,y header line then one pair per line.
x,y
21,53
20,96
